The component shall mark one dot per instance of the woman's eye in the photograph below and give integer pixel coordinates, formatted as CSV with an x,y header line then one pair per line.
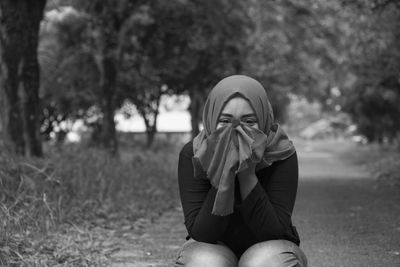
x,y
250,121
223,121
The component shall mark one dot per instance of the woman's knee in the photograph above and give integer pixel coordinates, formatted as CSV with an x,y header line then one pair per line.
x,y
194,253
273,253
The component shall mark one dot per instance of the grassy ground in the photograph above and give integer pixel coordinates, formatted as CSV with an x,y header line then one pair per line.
x,y
80,207
55,211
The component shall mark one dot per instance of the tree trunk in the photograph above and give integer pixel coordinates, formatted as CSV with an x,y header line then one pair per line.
x,y
11,117
108,137
150,134
19,75
151,129
195,110
30,79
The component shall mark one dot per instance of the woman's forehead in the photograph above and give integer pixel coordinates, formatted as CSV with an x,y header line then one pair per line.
x,y
237,105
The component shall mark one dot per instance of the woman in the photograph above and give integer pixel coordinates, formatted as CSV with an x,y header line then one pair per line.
x,y
238,182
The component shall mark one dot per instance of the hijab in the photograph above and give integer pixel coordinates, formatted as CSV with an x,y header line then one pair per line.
x,y
222,153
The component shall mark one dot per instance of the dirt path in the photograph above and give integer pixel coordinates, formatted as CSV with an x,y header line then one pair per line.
x,y
343,217
156,244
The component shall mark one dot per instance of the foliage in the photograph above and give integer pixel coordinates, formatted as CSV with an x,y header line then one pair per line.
x,y
341,54
381,160
80,187
66,94
130,50
297,48
186,46
374,59
301,113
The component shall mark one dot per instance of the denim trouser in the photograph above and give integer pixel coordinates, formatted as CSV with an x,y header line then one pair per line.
x,y
274,253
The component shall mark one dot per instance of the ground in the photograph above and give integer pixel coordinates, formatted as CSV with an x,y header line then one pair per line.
x,y
344,217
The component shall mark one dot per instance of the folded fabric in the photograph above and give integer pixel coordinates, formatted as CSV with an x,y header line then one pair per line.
x,y
229,150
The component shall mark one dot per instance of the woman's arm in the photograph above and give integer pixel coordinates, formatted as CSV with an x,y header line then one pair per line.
x,y
268,207
197,197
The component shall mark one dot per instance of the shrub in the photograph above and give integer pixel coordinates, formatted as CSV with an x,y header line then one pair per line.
x,y
78,185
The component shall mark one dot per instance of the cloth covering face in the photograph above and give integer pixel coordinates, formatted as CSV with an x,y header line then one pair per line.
x,y
225,151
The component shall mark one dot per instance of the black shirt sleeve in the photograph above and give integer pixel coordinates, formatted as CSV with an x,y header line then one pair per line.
x,y
267,210
197,197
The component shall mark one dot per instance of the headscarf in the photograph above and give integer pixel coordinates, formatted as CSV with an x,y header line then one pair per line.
x,y
222,153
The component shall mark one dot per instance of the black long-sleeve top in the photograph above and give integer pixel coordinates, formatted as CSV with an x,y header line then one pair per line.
x,y
265,214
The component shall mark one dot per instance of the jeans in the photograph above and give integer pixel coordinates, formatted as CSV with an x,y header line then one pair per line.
x,y
274,253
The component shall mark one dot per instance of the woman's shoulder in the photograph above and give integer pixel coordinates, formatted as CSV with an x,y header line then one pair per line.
x,y
292,159
289,163
187,149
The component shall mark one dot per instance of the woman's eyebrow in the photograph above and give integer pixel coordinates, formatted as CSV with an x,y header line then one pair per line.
x,y
248,115
226,115
243,116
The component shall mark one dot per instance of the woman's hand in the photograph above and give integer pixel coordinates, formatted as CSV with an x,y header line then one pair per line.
x,y
247,180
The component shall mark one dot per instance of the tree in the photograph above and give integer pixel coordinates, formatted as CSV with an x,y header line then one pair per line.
x,y
182,46
66,94
214,46
372,98
107,24
343,54
296,48
141,88
19,76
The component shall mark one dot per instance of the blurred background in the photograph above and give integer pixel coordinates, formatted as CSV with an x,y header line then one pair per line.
x,y
97,98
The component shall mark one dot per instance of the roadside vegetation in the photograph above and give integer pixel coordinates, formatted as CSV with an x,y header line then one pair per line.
x,y
54,209
381,160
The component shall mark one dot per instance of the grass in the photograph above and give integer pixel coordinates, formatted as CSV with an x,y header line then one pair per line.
x,y
54,210
382,161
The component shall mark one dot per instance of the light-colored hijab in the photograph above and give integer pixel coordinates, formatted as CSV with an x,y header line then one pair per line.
x,y
224,152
